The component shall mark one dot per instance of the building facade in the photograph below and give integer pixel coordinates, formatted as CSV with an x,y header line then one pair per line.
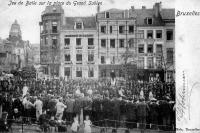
x,y
52,20
116,39
155,41
13,50
104,45
20,46
8,59
79,48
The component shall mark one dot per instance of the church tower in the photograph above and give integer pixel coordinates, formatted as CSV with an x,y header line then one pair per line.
x,y
15,32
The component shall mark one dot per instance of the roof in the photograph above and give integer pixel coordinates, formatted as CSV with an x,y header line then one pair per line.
x,y
168,13
53,9
113,10
88,22
142,14
113,14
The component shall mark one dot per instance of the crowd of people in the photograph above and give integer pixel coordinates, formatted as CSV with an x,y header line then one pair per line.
x,y
103,104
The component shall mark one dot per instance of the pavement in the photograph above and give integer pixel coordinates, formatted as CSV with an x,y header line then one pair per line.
x,y
35,129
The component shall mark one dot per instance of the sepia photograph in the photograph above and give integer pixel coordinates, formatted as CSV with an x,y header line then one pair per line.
x,y
88,66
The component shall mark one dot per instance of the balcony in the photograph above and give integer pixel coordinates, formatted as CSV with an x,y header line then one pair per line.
x,y
79,47
149,40
44,32
68,62
66,47
79,62
91,47
90,62
150,66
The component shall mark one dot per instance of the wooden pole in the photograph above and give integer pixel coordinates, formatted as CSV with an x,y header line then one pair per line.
x,y
1,111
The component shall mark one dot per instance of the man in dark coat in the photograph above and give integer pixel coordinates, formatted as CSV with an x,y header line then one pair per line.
x,y
153,114
142,112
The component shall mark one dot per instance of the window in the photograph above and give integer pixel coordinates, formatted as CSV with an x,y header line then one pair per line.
x,y
67,41
159,48
121,43
159,62
45,40
78,57
170,55
103,29
112,59
150,48
54,42
159,34
67,71
121,29
103,73
149,34
131,43
107,15
140,34
131,28
140,62
78,41
150,62
102,59
67,57
78,72
78,25
103,43
141,48
90,57
112,43
169,35
90,72
149,21
45,26
90,41
54,27
111,29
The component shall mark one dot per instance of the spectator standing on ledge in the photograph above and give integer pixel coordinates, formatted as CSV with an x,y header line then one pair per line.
x,y
38,105
60,109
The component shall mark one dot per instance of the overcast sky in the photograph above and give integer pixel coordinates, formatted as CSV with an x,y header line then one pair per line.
x,y
29,16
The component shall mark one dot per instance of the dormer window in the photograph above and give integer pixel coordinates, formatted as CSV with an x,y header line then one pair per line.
x,y
79,25
54,9
54,27
149,21
107,15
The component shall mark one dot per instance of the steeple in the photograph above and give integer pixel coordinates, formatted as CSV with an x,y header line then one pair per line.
x,y
15,31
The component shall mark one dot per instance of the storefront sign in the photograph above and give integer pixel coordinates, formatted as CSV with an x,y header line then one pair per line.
x,y
80,35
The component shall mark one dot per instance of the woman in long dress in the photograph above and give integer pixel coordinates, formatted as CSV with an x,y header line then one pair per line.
x,y
87,125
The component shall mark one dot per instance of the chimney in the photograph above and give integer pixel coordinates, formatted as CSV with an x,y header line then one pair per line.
x,y
98,8
157,8
143,7
126,14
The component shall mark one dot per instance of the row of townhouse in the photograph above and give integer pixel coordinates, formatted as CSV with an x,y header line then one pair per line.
x,y
101,45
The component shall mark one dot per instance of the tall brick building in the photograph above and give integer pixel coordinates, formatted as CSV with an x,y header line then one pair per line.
x,y
100,46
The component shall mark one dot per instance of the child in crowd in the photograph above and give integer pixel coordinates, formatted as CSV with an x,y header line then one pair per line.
x,y
52,124
87,125
75,125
